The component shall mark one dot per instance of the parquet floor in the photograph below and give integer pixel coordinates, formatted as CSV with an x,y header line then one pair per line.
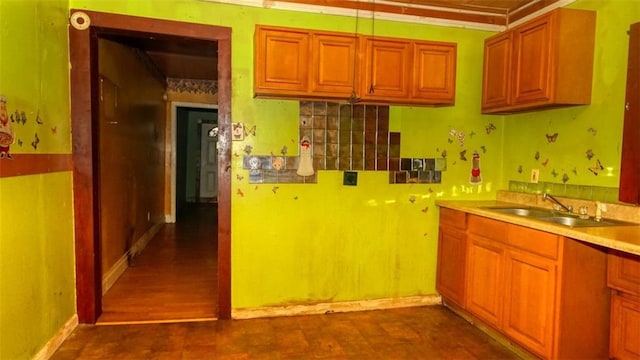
x,y
174,278
431,332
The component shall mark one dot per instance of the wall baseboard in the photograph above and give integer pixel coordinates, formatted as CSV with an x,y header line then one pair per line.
x,y
54,343
114,273
326,308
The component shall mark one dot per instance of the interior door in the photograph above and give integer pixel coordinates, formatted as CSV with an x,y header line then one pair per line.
x,y
208,161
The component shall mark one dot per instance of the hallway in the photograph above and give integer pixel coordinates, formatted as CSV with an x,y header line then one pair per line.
x,y
174,278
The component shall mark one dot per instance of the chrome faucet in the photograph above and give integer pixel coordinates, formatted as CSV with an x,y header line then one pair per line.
x,y
569,208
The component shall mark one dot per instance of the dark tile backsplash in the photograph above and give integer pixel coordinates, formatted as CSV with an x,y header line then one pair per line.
x,y
348,137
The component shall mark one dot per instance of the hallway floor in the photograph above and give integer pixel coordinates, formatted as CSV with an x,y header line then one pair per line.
x,y
174,278
430,332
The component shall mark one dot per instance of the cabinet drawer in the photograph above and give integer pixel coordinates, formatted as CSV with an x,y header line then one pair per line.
x,y
535,241
623,272
489,228
454,218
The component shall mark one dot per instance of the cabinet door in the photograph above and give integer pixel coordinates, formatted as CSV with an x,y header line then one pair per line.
x,y
450,275
496,85
630,164
529,306
484,286
334,64
387,69
434,73
532,58
623,272
625,328
281,61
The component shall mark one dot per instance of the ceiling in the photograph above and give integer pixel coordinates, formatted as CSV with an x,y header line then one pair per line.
x,y
188,58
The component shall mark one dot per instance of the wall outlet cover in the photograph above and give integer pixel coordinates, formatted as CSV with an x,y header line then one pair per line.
x,y
535,175
350,178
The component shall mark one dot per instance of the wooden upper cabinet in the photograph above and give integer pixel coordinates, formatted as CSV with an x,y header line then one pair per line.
x,y
546,62
300,64
322,65
630,163
387,69
334,64
496,87
281,61
409,71
434,73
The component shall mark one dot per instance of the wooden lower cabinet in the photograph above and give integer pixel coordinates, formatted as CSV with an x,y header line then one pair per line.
x,y
452,256
625,327
624,279
529,301
485,279
545,292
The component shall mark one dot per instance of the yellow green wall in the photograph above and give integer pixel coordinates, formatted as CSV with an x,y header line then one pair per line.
x,y
37,281
597,127
327,242
296,243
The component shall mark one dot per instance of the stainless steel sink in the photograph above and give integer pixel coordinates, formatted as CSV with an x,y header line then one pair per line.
x,y
575,221
557,217
525,211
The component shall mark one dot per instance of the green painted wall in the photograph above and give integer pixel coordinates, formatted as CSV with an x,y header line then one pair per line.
x,y
37,282
327,242
293,243
597,127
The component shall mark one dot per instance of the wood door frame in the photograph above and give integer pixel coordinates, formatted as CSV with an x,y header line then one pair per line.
x,y
86,27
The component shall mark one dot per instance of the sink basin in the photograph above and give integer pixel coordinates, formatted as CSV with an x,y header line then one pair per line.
x,y
574,221
525,211
556,217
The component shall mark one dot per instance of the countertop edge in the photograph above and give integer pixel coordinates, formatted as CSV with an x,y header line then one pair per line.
x,y
622,238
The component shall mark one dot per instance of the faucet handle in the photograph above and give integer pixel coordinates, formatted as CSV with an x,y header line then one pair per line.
x,y
584,212
600,207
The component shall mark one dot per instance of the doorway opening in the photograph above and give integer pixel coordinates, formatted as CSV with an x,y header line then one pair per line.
x,y
86,93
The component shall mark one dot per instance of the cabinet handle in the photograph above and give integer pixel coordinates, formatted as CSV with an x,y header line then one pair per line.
x,y
626,106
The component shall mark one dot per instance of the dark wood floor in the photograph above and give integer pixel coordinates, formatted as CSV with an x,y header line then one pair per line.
x,y
430,332
174,278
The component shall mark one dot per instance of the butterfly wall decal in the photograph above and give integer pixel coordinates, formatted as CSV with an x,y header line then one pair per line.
x,y
240,193
489,128
250,130
590,154
551,138
463,155
546,162
597,168
35,142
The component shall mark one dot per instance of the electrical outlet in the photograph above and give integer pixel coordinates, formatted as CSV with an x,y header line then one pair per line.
x,y
535,175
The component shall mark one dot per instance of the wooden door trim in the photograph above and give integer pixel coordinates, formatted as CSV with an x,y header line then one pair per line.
x,y
84,113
